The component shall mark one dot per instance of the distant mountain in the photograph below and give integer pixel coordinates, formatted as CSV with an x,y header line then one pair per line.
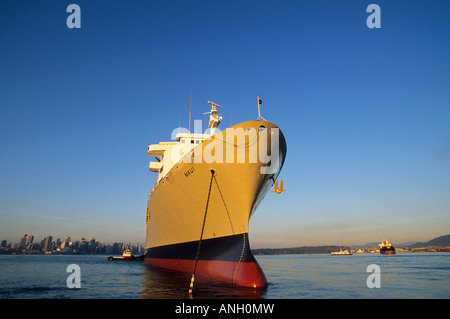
x,y
443,241
407,244
298,250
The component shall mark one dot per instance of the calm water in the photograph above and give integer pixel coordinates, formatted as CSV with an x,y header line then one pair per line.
x,y
405,275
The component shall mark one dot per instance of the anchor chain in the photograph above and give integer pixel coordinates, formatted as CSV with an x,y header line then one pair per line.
x,y
191,286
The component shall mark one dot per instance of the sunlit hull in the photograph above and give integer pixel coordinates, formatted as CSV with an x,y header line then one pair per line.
x,y
177,206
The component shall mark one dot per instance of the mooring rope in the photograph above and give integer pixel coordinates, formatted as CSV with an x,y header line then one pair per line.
x,y
201,235
232,230
224,204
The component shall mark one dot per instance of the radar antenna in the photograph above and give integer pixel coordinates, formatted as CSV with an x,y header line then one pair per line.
x,y
214,117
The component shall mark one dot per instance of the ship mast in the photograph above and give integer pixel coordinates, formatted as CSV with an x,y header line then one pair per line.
x,y
259,110
214,117
190,107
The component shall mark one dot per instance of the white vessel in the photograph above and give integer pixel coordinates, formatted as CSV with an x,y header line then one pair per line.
x,y
341,252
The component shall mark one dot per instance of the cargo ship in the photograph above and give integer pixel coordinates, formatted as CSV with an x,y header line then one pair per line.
x,y
386,248
208,185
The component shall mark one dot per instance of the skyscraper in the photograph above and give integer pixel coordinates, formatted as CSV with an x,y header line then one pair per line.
x,y
47,243
23,241
30,239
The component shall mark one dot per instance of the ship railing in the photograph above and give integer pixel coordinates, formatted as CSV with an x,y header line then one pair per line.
x,y
151,191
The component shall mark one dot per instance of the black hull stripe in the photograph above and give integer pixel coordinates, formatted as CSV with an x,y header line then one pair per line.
x,y
230,248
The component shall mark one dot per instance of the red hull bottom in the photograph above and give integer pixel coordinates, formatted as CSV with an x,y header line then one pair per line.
x,y
245,274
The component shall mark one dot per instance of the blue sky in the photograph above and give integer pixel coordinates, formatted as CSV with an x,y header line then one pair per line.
x,y
366,112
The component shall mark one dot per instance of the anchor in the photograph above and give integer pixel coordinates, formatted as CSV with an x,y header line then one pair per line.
x,y
277,190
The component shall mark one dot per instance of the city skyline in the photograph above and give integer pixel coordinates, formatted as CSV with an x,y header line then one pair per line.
x,y
54,245
365,112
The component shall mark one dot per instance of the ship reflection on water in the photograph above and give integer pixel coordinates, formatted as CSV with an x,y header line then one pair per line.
x,y
161,283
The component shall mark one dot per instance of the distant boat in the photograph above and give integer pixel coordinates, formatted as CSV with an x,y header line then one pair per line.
x,y
386,248
126,256
341,253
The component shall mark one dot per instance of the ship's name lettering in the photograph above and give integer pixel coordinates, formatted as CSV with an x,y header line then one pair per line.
x,y
189,171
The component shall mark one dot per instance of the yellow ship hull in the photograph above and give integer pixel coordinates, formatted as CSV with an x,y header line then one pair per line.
x,y
211,203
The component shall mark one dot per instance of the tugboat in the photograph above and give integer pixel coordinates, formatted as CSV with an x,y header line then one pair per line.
x,y
386,248
126,256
